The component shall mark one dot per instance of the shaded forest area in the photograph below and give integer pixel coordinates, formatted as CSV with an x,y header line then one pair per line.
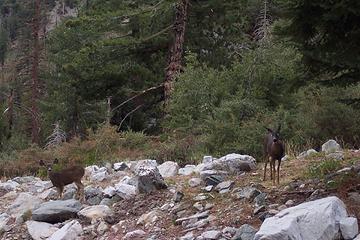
x,y
95,80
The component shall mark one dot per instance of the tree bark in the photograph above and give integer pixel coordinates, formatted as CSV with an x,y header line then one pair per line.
x,y
35,126
176,50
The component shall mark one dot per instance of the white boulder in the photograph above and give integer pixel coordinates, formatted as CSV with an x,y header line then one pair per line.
x,y
70,231
349,227
168,169
317,220
40,230
330,146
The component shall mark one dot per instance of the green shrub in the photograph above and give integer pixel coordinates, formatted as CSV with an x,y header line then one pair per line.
x,y
323,168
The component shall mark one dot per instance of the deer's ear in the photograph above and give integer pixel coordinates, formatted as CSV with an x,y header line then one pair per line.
x,y
41,163
269,130
56,161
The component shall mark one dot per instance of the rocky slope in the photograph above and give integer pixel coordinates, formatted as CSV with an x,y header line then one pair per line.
x,y
218,199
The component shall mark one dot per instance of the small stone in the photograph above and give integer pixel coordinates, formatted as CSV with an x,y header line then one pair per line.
x,y
290,203
275,205
224,185
213,234
134,234
69,231
178,196
96,212
209,188
198,206
245,232
148,218
188,236
194,182
200,197
282,207
273,211
349,227
260,199
208,206
102,228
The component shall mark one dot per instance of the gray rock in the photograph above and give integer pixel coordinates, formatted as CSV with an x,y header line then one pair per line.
x,y
125,191
195,216
307,154
102,228
109,191
95,173
188,236
224,185
245,232
260,199
49,194
310,220
40,230
148,178
147,163
349,228
248,192
290,203
22,205
357,237
207,159
200,197
234,163
26,179
93,195
134,234
178,196
121,166
69,192
57,211
198,206
4,220
212,177
208,188
194,182
9,186
110,201
187,170
70,231
149,218
168,169
330,146
213,234
95,212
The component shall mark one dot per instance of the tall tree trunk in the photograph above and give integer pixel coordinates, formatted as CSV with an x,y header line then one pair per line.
x,y
35,126
176,50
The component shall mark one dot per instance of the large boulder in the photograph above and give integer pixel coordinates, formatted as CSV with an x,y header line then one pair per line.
x,y
96,212
187,170
316,220
307,154
232,163
9,186
125,191
70,231
168,169
96,173
330,146
148,178
40,230
57,211
4,221
23,205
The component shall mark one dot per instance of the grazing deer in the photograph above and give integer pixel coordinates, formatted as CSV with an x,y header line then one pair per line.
x,y
274,149
66,176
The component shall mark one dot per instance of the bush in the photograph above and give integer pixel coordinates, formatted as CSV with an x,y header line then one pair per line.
x,y
325,167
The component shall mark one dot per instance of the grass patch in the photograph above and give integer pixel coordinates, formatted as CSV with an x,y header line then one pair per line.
x,y
323,168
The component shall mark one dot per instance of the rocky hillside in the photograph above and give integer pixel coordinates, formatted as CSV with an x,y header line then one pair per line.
x,y
318,198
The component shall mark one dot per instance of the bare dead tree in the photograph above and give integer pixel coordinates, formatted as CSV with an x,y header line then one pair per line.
x,y
176,50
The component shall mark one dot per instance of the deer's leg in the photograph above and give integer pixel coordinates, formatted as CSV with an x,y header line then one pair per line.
x,y
271,168
278,171
60,191
80,190
274,171
266,162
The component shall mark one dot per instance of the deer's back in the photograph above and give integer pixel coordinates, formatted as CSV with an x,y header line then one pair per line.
x,y
67,176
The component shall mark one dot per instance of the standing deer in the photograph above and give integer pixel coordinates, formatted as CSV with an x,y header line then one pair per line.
x,y
66,176
274,149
